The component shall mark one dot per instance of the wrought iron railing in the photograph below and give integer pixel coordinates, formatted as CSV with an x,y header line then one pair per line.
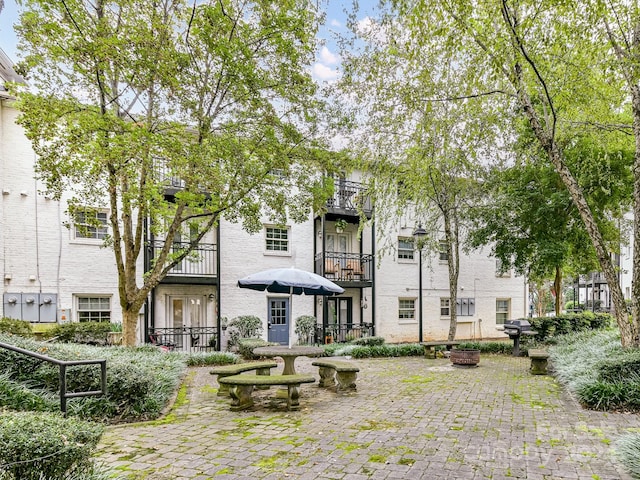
x,y
201,262
62,366
342,333
185,339
345,267
350,197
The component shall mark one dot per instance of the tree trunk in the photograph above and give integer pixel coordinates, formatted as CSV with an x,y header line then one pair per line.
x,y
557,286
453,263
129,327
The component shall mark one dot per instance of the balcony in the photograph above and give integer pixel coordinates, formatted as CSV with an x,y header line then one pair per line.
x,y
197,267
349,198
350,269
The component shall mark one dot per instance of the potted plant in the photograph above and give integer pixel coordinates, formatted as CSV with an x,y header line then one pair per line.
x,y
341,225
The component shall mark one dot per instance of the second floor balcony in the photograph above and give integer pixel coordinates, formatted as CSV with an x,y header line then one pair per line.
x,y
352,269
349,198
198,264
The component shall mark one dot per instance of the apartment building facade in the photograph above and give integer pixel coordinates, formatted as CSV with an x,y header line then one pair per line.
x,y
55,268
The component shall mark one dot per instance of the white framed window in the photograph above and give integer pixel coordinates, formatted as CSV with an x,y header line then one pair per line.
x,y
93,308
443,256
406,308
499,272
405,248
445,307
89,223
503,309
276,240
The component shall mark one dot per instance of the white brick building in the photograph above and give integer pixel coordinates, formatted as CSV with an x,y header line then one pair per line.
x,y
54,272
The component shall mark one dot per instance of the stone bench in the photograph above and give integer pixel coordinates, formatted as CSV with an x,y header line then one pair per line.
x,y
241,387
261,368
539,360
344,372
430,347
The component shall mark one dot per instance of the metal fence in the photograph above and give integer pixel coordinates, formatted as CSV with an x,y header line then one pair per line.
x,y
342,333
185,339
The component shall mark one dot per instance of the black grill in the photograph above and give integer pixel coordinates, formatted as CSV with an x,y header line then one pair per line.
x,y
515,329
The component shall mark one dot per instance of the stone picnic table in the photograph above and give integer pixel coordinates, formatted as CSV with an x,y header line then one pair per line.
x,y
289,355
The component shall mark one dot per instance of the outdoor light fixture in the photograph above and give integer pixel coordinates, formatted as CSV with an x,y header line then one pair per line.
x,y
418,234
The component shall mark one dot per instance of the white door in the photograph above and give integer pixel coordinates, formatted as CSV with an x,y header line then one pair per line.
x,y
186,314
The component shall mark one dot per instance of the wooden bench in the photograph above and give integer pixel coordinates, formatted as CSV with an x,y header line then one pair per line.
x,y
241,387
261,368
344,372
430,347
539,361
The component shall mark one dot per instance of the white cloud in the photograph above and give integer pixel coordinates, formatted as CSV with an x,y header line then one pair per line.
x,y
327,57
322,72
335,23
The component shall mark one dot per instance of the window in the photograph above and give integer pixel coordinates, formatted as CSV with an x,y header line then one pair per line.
x,y
406,309
499,269
405,249
90,223
443,255
445,307
277,239
94,309
502,310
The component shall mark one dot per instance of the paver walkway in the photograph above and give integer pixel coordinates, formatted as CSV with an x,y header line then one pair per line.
x,y
411,418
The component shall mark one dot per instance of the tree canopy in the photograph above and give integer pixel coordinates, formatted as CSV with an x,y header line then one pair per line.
x,y
125,95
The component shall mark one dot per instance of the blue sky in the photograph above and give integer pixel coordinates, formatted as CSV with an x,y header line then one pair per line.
x,y
327,63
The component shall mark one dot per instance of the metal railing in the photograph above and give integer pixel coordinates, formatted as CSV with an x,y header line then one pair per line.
x,y
63,364
201,262
350,197
342,333
185,339
345,267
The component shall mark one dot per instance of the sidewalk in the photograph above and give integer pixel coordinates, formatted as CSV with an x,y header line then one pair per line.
x,y
411,418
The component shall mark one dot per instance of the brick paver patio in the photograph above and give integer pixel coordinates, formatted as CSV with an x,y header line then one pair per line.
x,y
411,418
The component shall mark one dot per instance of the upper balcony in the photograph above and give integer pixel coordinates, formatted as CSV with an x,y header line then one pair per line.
x,y
349,198
346,269
199,267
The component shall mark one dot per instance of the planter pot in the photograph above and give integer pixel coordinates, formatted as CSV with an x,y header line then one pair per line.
x,y
465,357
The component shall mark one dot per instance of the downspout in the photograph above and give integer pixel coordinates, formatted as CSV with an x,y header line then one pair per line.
x,y
149,302
315,250
218,289
373,278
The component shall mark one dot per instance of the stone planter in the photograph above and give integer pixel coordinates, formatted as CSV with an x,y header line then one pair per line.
x,y
465,357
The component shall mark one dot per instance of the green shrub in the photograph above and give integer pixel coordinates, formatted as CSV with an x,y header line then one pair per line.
x,y
246,346
368,341
490,347
306,328
244,326
201,359
618,369
17,396
43,446
140,381
599,395
91,333
16,327
400,350
548,327
627,451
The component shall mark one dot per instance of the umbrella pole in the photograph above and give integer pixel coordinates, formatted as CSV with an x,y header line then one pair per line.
x,y
290,316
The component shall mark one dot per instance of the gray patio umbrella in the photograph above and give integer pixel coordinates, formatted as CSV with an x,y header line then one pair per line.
x,y
292,281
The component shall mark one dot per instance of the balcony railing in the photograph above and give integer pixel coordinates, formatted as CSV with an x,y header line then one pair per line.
x,y
185,339
201,262
349,197
342,333
345,267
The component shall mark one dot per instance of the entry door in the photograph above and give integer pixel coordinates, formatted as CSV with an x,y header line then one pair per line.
x,y
186,313
279,320
339,317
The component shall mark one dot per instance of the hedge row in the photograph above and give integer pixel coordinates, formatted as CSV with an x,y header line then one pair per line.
x,y
549,327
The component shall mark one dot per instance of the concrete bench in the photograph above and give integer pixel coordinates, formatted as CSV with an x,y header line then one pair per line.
x,y
344,372
430,347
241,387
261,368
539,361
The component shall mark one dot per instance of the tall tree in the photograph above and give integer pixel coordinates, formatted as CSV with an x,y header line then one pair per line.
x,y
216,93
548,68
419,153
